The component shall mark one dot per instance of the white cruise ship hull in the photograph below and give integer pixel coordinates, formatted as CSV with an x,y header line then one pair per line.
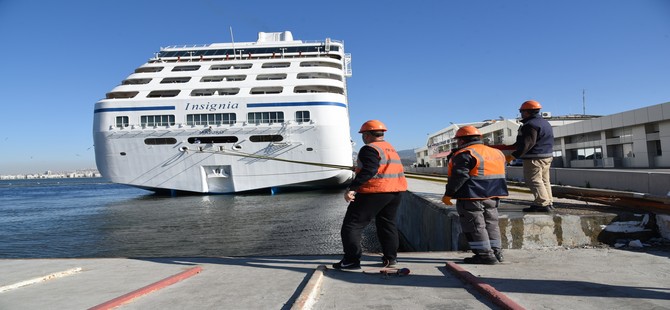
x,y
181,136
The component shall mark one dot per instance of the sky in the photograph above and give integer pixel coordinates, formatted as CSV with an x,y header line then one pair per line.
x,y
417,66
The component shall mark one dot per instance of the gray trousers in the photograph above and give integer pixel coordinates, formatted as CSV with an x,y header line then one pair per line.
x,y
479,222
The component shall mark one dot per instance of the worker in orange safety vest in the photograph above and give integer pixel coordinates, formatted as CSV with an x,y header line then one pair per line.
x,y
375,192
477,180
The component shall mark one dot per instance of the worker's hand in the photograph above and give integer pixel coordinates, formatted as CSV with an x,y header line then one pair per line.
x,y
509,158
349,196
447,200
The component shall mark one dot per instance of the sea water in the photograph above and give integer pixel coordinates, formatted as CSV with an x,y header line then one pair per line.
x,y
59,218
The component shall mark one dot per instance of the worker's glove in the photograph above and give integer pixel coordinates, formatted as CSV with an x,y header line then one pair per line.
x,y
349,196
509,158
447,200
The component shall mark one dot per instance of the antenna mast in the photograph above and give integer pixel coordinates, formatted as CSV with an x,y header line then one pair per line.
x,y
232,39
583,102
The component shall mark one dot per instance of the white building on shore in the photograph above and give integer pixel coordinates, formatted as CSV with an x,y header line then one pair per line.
x,y
637,138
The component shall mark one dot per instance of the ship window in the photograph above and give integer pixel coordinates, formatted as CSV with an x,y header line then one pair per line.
x,y
163,93
220,67
158,141
302,116
213,139
221,78
185,68
135,81
122,94
148,69
266,138
321,64
318,89
265,117
157,120
202,92
212,78
319,75
266,90
267,77
122,121
276,65
242,66
227,67
228,91
212,91
176,80
211,119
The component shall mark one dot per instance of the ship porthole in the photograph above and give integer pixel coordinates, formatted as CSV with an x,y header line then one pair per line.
x,y
183,148
123,153
237,147
309,149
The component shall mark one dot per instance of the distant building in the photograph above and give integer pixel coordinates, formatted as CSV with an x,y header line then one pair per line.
x,y
494,132
440,144
633,139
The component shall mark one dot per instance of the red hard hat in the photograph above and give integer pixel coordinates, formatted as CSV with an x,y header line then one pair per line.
x,y
372,125
530,105
467,131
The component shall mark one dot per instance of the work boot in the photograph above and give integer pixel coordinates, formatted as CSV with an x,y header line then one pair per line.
x,y
499,255
481,260
538,209
347,265
390,263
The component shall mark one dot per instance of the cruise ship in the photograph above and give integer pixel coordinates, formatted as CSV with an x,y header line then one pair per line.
x,y
230,117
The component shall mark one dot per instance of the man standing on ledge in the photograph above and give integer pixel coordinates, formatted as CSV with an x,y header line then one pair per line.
x,y
535,145
477,179
375,192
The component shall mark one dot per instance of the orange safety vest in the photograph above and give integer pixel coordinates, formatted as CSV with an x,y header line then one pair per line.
x,y
390,176
487,177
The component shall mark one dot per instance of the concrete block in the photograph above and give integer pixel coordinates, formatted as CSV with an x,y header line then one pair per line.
x,y
572,233
663,222
538,232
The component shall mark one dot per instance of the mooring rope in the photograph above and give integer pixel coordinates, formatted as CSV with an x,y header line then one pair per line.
x,y
343,167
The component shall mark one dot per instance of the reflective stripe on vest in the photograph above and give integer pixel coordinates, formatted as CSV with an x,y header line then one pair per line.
x,y
390,176
492,163
487,177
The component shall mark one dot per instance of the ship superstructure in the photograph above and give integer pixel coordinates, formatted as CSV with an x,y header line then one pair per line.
x,y
230,117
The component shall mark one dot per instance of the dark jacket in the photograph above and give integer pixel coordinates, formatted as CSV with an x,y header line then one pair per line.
x,y
535,139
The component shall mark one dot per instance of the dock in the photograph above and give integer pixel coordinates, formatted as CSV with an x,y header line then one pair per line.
x,y
540,271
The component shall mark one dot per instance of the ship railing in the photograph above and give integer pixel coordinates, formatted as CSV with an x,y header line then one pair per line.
x,y
157,59
208,45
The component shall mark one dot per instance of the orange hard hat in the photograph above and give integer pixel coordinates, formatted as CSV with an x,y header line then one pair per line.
x,y
467,131
530,105
372,125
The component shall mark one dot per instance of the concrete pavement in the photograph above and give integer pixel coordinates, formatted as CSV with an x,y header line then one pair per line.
x,y
557,278
542,277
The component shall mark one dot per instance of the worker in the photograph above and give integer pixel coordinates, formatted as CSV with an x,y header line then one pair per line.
x,y
476,178
375,192
535,146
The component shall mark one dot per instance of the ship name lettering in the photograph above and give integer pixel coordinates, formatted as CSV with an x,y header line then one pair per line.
x,y
211,106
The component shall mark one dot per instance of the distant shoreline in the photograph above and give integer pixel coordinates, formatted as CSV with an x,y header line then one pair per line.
x,y
88,173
